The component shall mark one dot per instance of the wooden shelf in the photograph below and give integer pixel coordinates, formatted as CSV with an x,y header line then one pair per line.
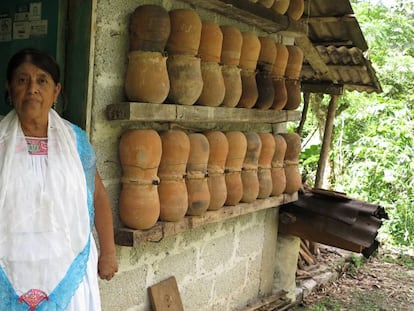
x,y
162,229
147,112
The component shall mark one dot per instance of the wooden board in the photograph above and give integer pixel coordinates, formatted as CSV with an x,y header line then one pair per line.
x,y
165,296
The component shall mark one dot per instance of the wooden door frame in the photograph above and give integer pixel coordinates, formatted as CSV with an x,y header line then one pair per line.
x,y
79,51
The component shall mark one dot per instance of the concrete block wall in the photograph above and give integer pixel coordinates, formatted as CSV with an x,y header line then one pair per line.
x,y
218,267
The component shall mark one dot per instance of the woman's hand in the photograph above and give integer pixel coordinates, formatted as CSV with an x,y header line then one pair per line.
x,y
107,266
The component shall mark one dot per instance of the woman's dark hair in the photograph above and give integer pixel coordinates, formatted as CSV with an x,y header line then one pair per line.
x,y
36,57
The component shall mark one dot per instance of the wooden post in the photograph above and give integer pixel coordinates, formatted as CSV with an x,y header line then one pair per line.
x,y
304,113
326,142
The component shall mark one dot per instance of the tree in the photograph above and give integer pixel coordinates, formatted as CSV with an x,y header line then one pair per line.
x,y
373,143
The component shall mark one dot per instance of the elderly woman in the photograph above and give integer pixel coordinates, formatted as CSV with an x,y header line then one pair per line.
x,y
51,196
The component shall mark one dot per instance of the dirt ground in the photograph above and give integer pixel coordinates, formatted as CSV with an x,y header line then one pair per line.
x,y
384,282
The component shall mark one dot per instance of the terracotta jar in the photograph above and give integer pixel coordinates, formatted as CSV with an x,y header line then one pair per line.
x,y
267,3
296,9
267,55
281,6
250,51
147,77
281,59
139,205
171,171
237,151
185,32
294,97
232,85
265,90
232,45
294,62
211,42
219,148
250,92
140,154
196,176
291,162
249,174
278,171
186,81
149,28
265,165
280,96
214,88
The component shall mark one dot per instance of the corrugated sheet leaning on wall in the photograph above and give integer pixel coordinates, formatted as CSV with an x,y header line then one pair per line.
x,y
333,219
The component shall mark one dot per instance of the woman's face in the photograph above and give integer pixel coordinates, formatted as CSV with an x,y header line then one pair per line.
x,y
32,91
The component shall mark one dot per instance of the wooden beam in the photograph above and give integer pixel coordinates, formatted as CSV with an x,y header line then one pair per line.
x,y
323,87
329,19
252,14
313,57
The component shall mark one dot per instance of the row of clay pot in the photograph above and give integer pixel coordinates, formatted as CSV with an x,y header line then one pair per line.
x,y
292,8
208,64
171,174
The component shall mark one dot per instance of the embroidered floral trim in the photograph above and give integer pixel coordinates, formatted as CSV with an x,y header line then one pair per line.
x,y
33,298
36,145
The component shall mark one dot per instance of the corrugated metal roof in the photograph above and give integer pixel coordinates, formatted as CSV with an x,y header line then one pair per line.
x,y
333,219
335,34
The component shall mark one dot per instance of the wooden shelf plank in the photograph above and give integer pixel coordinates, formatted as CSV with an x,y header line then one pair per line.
x,y
147,112
162,229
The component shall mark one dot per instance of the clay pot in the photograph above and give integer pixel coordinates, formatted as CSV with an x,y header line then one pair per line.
x,y
296,9
232,85
149,28
185,32
293,94
267,54
186,81
249,175
211,42
196,178
280,97
214,88
281,6
278,171
291,162
140,154
171,171
250,93
265,90
250,51
293,146
219,148
294,63
139,206
147,77
173,197
265,165
175,153
267,3
280,63
237,151
232,44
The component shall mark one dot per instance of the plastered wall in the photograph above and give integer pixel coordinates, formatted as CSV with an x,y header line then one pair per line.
x,y
219,266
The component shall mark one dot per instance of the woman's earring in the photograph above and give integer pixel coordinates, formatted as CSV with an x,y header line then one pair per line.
x,y
54,105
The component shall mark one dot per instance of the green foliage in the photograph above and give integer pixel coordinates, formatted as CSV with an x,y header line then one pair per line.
x,y
373,147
